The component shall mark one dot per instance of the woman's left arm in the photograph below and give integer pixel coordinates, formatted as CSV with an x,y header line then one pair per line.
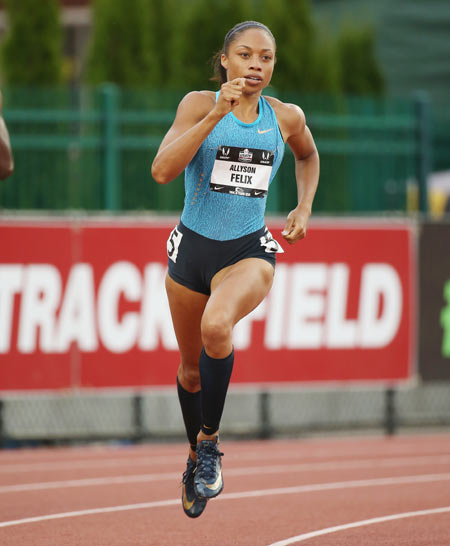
x,y
307,168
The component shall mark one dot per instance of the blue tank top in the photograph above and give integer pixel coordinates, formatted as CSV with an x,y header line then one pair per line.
x,y
226,182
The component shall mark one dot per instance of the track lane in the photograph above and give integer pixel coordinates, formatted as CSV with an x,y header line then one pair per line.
x,y
17,485
162,525
236,516
374,521
117,490
312,448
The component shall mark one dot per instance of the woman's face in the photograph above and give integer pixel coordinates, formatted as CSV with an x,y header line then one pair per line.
x,y
251,56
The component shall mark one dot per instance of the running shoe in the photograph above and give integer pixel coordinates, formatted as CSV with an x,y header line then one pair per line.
x,y
193,506
208,481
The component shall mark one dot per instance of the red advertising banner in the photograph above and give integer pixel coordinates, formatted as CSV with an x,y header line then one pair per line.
x,y
83,304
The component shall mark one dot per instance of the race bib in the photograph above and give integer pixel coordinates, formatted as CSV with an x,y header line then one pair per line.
x,y
173,243
270,244
242,171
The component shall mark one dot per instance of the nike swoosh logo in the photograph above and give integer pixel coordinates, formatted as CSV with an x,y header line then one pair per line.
x,y
187,504
216,484
264,131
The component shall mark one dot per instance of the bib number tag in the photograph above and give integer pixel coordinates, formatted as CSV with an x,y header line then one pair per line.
x,y
173,243
242,171
270,244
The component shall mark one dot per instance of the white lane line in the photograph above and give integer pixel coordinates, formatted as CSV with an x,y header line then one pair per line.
x,y
89,482
289,452
243,471
100,463
91,512
402,480
362,523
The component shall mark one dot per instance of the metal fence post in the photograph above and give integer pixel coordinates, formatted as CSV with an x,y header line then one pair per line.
x,y
265,427
111,163
138,417
423,115
390,416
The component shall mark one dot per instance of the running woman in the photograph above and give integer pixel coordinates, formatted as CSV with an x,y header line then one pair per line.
x,y
6,157
221,256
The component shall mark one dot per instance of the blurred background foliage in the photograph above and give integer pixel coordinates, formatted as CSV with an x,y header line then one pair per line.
x,y
181,55
353,66
32,49
141,43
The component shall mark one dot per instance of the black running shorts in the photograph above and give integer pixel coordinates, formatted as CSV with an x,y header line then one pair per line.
x,y
193,259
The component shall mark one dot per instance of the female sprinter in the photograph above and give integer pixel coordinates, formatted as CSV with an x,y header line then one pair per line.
x,y
221,255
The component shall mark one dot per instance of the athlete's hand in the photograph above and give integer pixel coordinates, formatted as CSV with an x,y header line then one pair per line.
x,y
229,95
296,224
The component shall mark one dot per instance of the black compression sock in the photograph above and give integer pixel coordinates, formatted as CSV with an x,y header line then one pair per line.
x,y
215,374
191,408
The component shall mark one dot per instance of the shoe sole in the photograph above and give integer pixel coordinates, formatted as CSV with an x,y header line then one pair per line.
x,y
190,514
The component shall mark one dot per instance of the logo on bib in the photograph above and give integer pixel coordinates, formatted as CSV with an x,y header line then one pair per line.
x,y
245,155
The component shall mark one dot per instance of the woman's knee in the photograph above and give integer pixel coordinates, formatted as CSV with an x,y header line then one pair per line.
x,y
216,330
189,376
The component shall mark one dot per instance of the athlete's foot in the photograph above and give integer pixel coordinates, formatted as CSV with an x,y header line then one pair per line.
x,y
193,506
208,480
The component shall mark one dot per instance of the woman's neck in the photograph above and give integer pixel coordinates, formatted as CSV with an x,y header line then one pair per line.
x,y
247,110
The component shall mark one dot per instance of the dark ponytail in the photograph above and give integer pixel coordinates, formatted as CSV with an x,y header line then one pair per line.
x,y
220,74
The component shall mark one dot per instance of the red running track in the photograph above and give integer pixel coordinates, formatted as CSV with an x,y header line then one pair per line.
x,y
321,492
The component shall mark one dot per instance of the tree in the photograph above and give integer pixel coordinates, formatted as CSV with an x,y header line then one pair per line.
x,y
207,22
166,31
32,50
325,72
292,24
360,72
121,45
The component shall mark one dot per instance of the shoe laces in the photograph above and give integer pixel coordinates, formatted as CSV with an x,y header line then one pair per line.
x,y
207,455
190,470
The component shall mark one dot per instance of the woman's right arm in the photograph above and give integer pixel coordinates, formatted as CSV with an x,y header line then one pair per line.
x,y
197,115
6,157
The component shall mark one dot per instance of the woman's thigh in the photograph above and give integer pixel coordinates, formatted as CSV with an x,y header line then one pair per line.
x,y
241,287
235,292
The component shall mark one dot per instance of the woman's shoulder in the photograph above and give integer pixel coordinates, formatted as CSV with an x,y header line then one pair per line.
x,y
289,116
199,101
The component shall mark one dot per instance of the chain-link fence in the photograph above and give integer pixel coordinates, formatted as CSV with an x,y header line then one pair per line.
x,y
91,149
249,413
